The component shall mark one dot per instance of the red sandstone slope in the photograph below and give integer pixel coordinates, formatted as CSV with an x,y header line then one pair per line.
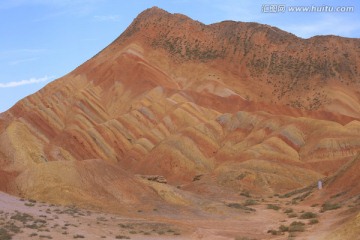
x,y
236,106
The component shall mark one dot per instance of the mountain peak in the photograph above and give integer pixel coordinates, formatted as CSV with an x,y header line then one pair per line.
x,y
286,67
157,14
153,11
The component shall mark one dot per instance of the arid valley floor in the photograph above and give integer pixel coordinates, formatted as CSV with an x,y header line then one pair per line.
x,y
275,217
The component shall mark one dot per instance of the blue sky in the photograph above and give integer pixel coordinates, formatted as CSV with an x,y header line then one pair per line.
x,y
42,40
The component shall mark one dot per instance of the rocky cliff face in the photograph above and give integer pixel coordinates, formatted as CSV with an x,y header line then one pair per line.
x,y
230,106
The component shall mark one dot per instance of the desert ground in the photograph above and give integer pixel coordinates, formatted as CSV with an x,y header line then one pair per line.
x,y
274,217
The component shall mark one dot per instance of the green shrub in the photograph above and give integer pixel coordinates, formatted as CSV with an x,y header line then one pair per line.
x,y
283,228
308,215
45,236
338,195
250,202
79,236
4,234
329,206
297,227
29,204
303,196
122,237
239,206
22,217
274,232
289,210
274,207
11,227
245,194
313,221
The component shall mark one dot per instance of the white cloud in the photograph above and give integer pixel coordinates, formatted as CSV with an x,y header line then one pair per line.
x,y
57,8
102,18
23,51
6,4
302,24
26,82
245,11
16,62
328,24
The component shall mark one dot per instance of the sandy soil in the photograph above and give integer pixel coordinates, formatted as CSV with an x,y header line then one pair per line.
x,y
28,219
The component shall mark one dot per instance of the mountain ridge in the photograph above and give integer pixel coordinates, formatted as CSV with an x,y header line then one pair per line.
x,y
292,84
